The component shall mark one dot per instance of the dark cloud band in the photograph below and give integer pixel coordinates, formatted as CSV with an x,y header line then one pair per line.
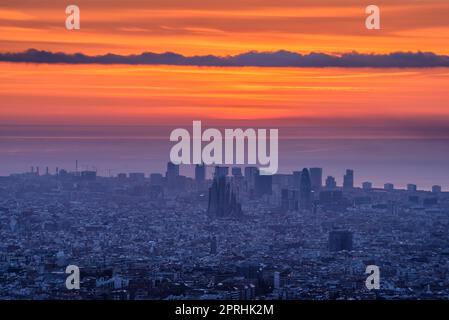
x,y
253,58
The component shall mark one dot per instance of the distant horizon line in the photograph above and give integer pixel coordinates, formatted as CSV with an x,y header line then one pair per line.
x,y
279,58
396,187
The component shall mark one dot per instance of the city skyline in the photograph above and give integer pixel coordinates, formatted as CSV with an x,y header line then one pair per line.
x,y
210,172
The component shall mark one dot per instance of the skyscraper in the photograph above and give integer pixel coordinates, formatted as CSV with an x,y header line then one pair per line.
x,y
412,187
305,191
172,174
316,177
348,179
237,171
250,176
213,245
200,173
289,200
221,172
222,199
389,186
340,240
367,185
172,170
330,182
264,185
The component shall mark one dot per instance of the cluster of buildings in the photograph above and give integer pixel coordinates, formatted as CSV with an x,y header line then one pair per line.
x,y
236,235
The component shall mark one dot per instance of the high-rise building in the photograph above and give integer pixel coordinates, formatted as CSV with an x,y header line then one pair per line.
x,y
330,182
222,199
412,187
221,172
172,170
236,171
200,173
316,177
367,185
213,245
389,186
122,176
340,240
172,174
305,191
277,280
264,185
348,179
250,177
289,200
436,189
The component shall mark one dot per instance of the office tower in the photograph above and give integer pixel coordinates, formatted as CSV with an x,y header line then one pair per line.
x,y
156,179
47,171
340,240
367,185
137,176
37,171
305,191
250,176
251,172
389,186
172,174
200,173
121,176
289,200
348,179
264,185
316,177
296,179
221,172
213,245
172,170
277,280
436,189
222,199
412,187
236,171
330,182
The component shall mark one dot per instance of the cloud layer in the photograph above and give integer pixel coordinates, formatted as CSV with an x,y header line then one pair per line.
x,y
257,59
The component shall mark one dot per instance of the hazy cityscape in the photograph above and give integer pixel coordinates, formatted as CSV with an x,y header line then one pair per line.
x,y
226,233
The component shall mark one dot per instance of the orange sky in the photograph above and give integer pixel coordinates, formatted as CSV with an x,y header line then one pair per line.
x,y
225,27
151,94
98,94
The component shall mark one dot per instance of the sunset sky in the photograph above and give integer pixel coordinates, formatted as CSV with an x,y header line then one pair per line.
x,y
306,102
142,94
225,27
